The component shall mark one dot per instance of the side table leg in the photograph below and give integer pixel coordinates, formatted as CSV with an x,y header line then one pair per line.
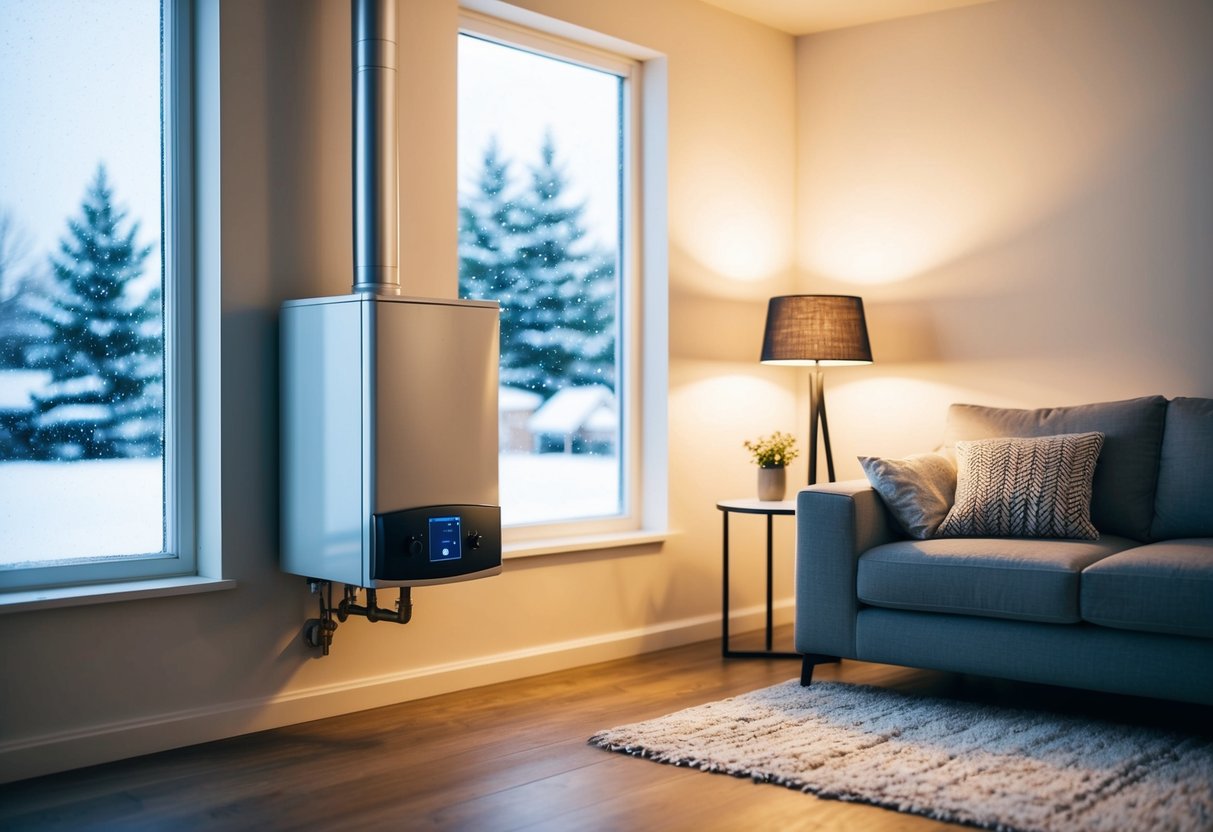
x,y
770,582
724,616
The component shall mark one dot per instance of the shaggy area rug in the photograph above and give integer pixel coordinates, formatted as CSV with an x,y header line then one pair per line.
x,y
987,766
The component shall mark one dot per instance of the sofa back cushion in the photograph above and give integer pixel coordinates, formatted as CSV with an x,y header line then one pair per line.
x,y
1122,493
1184,505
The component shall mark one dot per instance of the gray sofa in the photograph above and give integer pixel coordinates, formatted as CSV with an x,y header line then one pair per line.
x,y
1131,612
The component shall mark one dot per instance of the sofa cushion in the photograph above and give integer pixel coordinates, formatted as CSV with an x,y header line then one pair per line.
x,y
1122,494
1160,588
1184,505
918,490
1016,487
1029,580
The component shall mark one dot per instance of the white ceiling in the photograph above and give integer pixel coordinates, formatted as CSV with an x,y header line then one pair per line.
x,y
803,17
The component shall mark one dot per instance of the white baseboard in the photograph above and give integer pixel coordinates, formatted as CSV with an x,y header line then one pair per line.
x,y
49,753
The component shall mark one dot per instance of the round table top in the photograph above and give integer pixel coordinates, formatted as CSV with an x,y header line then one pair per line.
x,y
751,506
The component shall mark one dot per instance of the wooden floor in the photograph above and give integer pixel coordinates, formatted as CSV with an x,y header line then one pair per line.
x,y
503,757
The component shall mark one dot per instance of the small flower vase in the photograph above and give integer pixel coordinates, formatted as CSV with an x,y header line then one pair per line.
x,y
772,484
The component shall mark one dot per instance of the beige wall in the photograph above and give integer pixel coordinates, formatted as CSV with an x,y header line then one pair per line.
x,y
98,682
1022,193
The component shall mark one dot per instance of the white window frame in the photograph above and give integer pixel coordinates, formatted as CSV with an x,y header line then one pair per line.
x,y
575,533
179,555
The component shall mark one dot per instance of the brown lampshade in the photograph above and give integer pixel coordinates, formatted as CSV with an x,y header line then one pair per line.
x,y
816,329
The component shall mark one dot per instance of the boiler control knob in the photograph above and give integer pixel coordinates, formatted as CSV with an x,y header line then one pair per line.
x,y
414,545
474,539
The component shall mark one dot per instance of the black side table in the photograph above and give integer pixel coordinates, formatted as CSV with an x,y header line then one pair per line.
x,y
770,509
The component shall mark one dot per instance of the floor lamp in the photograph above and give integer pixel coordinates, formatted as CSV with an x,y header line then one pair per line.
x,y
816,331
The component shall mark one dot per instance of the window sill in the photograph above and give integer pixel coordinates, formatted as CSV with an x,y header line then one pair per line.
x,y
583,543
79,596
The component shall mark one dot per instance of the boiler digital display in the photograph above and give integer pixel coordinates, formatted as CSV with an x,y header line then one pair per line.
x,y
446,538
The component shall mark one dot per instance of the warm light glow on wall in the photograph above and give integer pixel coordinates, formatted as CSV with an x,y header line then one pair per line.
x,y
727,215
923,146
905,213
888,231
737,399
712,411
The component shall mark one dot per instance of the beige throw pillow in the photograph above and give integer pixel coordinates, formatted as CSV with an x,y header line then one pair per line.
x,y
1039,487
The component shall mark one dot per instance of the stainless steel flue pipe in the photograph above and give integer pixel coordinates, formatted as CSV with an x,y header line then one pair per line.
x,y
376,191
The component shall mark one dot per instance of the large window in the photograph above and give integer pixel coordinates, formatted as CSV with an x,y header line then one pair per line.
x,y
546,219
94,276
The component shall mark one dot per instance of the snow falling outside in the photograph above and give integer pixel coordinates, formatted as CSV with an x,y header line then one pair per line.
x,y
81,324
539,206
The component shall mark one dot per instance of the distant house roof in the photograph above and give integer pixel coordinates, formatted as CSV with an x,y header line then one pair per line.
x,y
603,420
512,399
571,409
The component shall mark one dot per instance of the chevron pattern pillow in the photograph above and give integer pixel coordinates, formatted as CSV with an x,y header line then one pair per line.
x,y
1039,487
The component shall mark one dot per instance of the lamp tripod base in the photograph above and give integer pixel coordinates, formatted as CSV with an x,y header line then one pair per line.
x,y
817,413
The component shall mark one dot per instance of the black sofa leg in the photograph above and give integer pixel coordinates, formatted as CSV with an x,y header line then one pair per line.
x,y
810,661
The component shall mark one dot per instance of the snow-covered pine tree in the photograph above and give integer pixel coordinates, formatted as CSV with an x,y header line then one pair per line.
x,y
105,399
489,229
526,249
487,221
562,327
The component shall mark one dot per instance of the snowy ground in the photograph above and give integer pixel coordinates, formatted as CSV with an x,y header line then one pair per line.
x,y
53,510
541,488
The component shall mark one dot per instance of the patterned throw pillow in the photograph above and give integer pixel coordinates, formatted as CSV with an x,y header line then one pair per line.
x,y
1038,487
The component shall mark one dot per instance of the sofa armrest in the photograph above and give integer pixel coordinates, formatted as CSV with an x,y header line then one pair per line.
x,y
835,524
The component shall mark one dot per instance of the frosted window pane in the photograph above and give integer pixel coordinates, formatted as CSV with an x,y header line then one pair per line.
x,y
540,204
81,281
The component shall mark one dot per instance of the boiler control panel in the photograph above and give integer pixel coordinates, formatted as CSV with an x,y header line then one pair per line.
x,y
437,544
